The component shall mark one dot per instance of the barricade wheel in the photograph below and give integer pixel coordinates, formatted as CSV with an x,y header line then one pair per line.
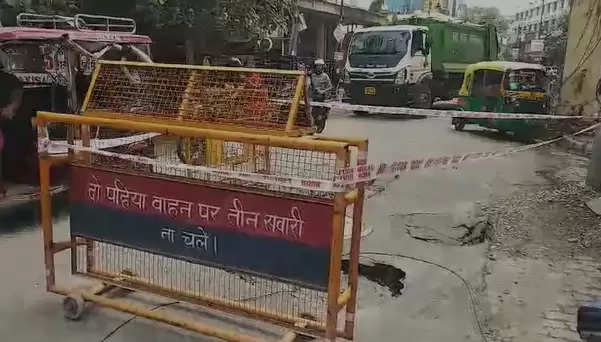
x,y
73,305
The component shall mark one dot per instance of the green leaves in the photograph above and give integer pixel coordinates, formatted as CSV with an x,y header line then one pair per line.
x,y
253,16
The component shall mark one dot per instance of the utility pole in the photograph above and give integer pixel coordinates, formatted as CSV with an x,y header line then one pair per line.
x,y
540,25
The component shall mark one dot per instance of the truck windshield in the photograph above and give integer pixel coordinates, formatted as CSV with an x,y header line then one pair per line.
x,y
380,43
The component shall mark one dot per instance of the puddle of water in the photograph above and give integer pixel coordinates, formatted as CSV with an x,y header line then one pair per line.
x,y
382,274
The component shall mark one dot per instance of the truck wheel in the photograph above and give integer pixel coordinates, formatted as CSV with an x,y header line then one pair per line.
x,y
424,99
421,96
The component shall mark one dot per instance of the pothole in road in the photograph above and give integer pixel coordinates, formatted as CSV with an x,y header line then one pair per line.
x,y
441,228
384,275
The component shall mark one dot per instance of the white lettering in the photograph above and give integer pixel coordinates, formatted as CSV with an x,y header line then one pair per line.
x,y
242,218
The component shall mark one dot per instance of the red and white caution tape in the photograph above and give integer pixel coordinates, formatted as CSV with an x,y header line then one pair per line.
x,y
344,179
291,182
365,173
101,144
444,113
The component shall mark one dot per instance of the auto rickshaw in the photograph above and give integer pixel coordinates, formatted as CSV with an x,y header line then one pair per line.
x,y
504,87
54,57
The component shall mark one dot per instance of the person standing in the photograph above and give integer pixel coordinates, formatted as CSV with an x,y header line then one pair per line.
x,y
11,95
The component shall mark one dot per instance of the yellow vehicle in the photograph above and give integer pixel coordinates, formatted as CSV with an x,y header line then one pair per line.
x,y
504,87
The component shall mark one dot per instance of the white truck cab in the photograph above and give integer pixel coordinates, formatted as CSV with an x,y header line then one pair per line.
x,y
389,66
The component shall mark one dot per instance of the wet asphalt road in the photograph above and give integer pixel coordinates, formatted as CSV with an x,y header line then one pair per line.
x,y
434,305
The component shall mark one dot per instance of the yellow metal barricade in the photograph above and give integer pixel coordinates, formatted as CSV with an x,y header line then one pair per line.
x,y
239,221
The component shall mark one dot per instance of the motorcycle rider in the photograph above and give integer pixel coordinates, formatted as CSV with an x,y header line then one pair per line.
x,y
320,81
320,86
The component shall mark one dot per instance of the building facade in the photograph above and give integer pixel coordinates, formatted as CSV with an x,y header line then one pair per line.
x,y
533,23
404,6
448,7
581,90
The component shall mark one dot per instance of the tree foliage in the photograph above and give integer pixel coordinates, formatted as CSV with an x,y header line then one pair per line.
x,y
258,16
59,7
253,16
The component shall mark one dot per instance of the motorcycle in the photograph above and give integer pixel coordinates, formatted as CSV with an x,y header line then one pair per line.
x,y
320,113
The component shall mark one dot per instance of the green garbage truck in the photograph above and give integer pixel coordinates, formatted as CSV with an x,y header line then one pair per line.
x,y
414,63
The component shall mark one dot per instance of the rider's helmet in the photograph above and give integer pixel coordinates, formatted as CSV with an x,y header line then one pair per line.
x,y
319,65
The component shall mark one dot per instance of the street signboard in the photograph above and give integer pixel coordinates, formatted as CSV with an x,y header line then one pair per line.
x,y
537,45
287,239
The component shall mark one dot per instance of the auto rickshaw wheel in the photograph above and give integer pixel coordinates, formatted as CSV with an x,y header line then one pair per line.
x,y
458,124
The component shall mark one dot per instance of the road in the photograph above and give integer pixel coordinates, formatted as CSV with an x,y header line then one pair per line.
x,y
433,306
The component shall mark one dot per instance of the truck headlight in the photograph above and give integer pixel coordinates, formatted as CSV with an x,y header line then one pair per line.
x,y
401,77
347,77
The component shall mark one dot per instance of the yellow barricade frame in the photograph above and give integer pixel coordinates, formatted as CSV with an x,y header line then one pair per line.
x,y
338,298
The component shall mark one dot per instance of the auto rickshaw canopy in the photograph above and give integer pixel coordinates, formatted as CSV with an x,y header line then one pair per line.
x,y
501,66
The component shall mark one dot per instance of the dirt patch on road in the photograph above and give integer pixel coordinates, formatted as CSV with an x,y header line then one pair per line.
x,y
551,222
443,228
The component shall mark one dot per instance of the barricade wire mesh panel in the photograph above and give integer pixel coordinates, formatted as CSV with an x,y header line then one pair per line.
x,y
172,152
239,290
259,100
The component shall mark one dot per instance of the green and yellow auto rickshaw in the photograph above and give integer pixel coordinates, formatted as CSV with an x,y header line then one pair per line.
x,y
504,87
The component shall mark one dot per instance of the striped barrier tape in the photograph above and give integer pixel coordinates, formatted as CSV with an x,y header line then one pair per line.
x,y
444,113
366,173
344,179
46,145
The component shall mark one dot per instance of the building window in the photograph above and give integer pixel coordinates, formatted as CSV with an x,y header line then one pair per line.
x,y
555,6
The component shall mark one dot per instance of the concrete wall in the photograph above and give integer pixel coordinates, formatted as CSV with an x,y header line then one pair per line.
x,y
582,70
318,40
